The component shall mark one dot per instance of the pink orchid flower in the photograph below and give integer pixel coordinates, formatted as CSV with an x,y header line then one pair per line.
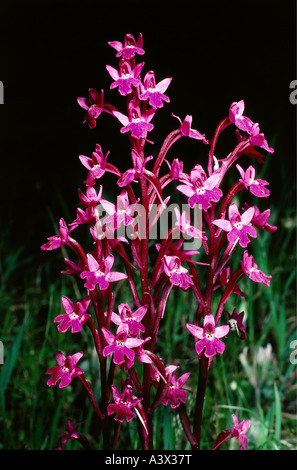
x,y
129,48
176,393
133,173
122,212
100,273
176,272
187,131
75,315
136,123
132,319
121,345
238,226
93,105
96,165
126,77
123,402
91,198
62,239
258,139
239,431
250,268
183,222
209,336
65,370
200,189
260,219
257,187
154,92
236,116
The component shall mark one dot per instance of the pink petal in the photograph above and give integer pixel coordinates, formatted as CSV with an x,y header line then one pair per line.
x,y
83,102
186,190
92,263
222,331
233,211
68,305
247,216
60,359
163,85
195,331
223,224
212,181
115,276
121,117
86,161
109,337
112,72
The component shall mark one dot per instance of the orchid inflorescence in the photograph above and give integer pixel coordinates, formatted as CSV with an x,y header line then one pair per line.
x,y
125,336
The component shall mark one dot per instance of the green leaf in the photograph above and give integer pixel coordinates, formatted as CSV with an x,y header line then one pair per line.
x,y
11,359
278,414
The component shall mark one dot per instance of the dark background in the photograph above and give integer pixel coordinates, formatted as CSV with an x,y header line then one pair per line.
x,y
53,51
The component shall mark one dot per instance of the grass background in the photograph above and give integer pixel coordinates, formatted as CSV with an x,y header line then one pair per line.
x,y
50,54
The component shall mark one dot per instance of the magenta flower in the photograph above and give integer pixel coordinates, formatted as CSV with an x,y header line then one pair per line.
x,y
132,319
137,170
236,116
208,336
154,92
91,198
250,269
121,213
139,124
183,222
260,219
236,322
126,77
129,48
258,139
200,189
176,393
176,169
257,187
70,433
123,402
239,431
187,131
65,370
96,165
59,240
100,273
93,105
121,346
238,226
245,124
75,315
85,217
176,272
72,268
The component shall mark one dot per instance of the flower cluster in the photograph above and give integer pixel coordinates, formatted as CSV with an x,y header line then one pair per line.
x,y
120,252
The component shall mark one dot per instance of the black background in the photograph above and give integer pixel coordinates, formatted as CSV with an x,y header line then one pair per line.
x,y
53,51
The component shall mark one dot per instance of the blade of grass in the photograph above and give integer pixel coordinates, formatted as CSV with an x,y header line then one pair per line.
x,y
11,359
168,437
278,414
